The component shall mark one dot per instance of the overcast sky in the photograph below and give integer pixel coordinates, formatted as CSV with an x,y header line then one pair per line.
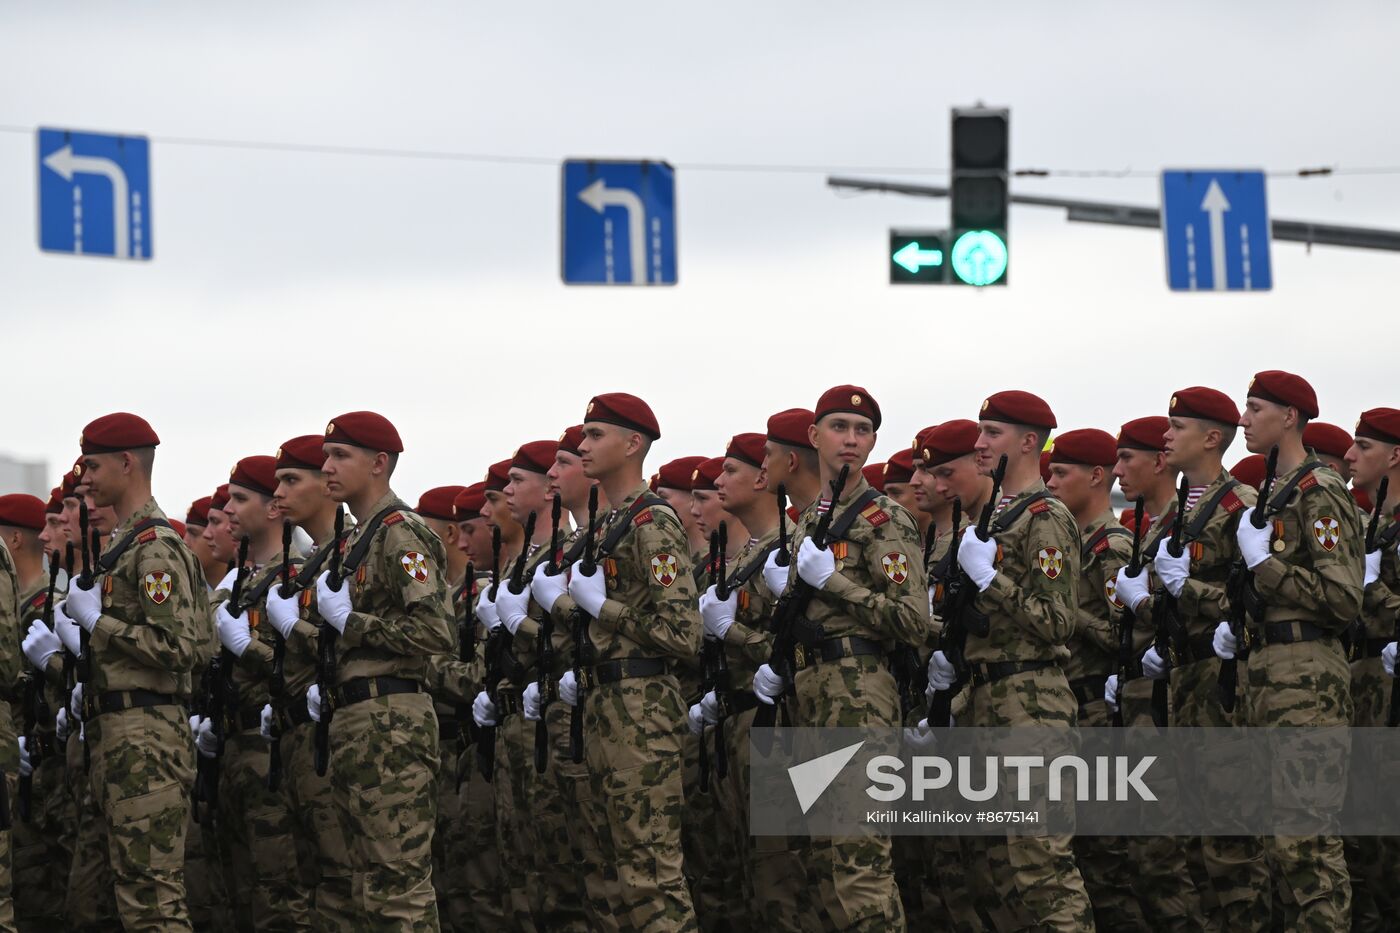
x,y
290,287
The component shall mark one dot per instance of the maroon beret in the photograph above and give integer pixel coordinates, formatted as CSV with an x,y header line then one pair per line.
x,y
623,410
535,457
21,510
1381,424
678,474
848,399
1016,407
257,473
1327,439
55,504
1145,433
747,448
198,513
498,476
790,427
703,477
1085,446
219,499
1363,499
874,474
116,432
177,525
72,478
364,429
306,452
1281,388
1201,402
437,502
900,467
947,441
468,503
1250,470
570,440
1045,466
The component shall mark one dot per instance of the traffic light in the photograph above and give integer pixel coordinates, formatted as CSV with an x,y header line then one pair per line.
x,y
980,196
918,257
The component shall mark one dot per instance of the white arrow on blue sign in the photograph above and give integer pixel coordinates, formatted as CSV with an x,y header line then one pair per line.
x,y
1216,228
94,194
619,223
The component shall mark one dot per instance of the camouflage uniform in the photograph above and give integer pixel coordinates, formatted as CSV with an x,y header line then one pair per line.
x,y
1310,590
876,599
384,735
9,741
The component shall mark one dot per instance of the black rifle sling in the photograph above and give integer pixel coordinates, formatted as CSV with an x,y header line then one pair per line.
x,y
1205,510
620,530
1008,518
1100,535
357,553
1280,498
254,596
312,568
745,573
107,561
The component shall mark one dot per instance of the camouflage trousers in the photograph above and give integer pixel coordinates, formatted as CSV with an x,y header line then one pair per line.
x,y
7,904
450,847
481,870
206,891
142,773
1034,877
383,771
1372,862
585,882
516,844
853,878
91,903
1104,862
43,848
632,744
711,858
1304,684
323,851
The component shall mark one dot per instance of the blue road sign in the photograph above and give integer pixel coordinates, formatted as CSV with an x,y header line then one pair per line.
x,y
94,194
619,223
1216,228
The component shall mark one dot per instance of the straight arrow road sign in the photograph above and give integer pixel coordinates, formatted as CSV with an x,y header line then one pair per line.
x,y
1215,225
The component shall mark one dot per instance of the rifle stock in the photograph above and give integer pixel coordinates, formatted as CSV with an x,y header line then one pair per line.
x,y
1227,681
326,654
1125,618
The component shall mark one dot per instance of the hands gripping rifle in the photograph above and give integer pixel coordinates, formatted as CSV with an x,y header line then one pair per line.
x,y
910,671
498,643
721,680
466,653
276,683
583,647
1126,619
1355,636
1244,595
91,544
35,706
325,654
707,663
544,651
220,685
1169,635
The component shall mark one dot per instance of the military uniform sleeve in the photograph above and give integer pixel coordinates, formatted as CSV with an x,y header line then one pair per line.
x,y
172,632
1329,583
1100,628
746,635
448,678
670,620
1044,606
897,602
9,628
423,628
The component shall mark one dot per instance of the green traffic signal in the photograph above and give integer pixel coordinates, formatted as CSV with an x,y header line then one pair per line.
x,y
979,257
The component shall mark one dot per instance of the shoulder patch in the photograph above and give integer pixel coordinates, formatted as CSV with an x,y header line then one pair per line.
x,y
147,536
39,599
1307,482
1050,561
1328,532
664,569
1041,507
875,515
415,565
1102,546
1231,503
393,519
157,584
644,517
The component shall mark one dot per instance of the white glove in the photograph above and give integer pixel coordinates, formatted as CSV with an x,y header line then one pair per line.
x,y
40,644
767,685
265,726
1253,542
1131,591
1388,658
1173,571
194,724
709,705
978,558
61,725
83,605
814,564
716,613
568,688
1110,692
75,703
283,613
313,702
67,631
695,718
589,592
205,740
941,673
486,609
25,767
333,605
775,577
512,607
920,738
1224,642
547,588
226,584
530,700
1154,666
234,633
1373,567
483,710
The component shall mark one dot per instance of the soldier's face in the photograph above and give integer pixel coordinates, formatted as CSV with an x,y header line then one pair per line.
x,y
1264,424
1371,459
497,512
299,494
218,534
603,449
681,504
998,438
739,483
194,538
347,470
843,440
923,487
55,534
698,501
568,481
1343,470
525,493
105,477
904,494
253,513
1071,484
960,478
777,465
1185,442
101,518
1135,470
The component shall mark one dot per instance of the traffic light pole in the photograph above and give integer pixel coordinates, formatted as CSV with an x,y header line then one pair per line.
x,y
1129,215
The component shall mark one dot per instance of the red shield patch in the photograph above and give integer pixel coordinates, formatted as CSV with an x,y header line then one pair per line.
x,y
1328,532
896,566
664,569
157,584
415,565
1051,562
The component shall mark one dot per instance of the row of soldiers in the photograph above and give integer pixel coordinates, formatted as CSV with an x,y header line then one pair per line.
x,y
526,703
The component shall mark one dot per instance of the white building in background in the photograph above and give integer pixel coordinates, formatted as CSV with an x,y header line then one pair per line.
x,y
31,476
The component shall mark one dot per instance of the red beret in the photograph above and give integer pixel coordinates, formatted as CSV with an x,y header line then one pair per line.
x,y
437,502
1201,402
570,440
1281,388
468,503
257,473
72,478
498,476
790,427
623,410
900,467
849,399
364,429
219,499
198,513
874,474
678,473
177,525
1045,466
1145,433
747,448
1363,499
55,504
1327,439
1085,446
21,510
116,432
535,457
947,441
1250,470
1381,424
1016,407
703,477
306,452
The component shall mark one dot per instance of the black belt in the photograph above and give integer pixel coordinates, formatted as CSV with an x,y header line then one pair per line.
x,y
1088,689
1287,633
115,701
1372,648
834,649
1000,670
364,688
245,720
610,672
294,713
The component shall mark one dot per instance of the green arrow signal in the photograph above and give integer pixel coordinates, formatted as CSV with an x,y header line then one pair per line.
x,y
912,258
979,257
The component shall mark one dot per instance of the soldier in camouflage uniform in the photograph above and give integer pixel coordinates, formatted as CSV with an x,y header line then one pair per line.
x,y
9,743
672,483
1307,565
869,597
392,615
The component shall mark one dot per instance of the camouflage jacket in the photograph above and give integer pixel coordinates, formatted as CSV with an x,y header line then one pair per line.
x,y
9,656
1380,608
1093,648
452,681
299,666
32,604
252,672
524,646
1204,603
747,642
